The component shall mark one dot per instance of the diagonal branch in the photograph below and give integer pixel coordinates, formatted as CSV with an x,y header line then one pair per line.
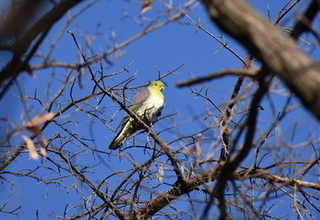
x,y
192,183
278,52
30,40
304,21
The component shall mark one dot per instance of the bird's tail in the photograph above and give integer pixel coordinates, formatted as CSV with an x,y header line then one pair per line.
x,y
117,141
120,137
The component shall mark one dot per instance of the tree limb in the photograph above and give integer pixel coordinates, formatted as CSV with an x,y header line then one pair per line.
x,y
191,183
275,49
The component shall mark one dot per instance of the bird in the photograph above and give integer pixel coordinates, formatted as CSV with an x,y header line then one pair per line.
x,y
147,104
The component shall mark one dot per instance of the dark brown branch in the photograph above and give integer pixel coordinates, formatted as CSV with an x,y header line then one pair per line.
x,y
278,52
227,72
190,184
24,40
233,162
304,21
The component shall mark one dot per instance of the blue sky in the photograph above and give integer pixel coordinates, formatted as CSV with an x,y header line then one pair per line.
x,y
163,50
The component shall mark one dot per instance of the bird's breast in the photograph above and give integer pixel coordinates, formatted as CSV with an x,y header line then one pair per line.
x,y
155,103
152,107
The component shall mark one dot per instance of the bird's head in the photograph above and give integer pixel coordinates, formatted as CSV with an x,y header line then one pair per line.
x,y
157,85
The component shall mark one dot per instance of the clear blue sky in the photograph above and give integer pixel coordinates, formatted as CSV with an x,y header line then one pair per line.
x,y
162,50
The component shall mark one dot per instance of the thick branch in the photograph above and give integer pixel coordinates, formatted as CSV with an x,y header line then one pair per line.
x,y
228,72
27,41
178,189
304,21
277,51
189,184
272,178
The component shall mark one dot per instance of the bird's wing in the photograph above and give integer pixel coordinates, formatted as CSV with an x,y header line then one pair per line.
x,y
125,129
126,116
141,96
138,101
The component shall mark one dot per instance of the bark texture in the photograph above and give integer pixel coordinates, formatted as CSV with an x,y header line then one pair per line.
x,y
278,51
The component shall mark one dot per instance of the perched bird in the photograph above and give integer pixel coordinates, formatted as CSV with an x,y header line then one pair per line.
x,y
147,104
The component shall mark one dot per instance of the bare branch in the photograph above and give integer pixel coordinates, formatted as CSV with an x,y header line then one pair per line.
x,y
293,66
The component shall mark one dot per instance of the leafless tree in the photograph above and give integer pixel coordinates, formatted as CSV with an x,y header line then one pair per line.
x,y
248,159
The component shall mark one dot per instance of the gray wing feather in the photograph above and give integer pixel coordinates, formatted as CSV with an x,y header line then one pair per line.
x,y
141,96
